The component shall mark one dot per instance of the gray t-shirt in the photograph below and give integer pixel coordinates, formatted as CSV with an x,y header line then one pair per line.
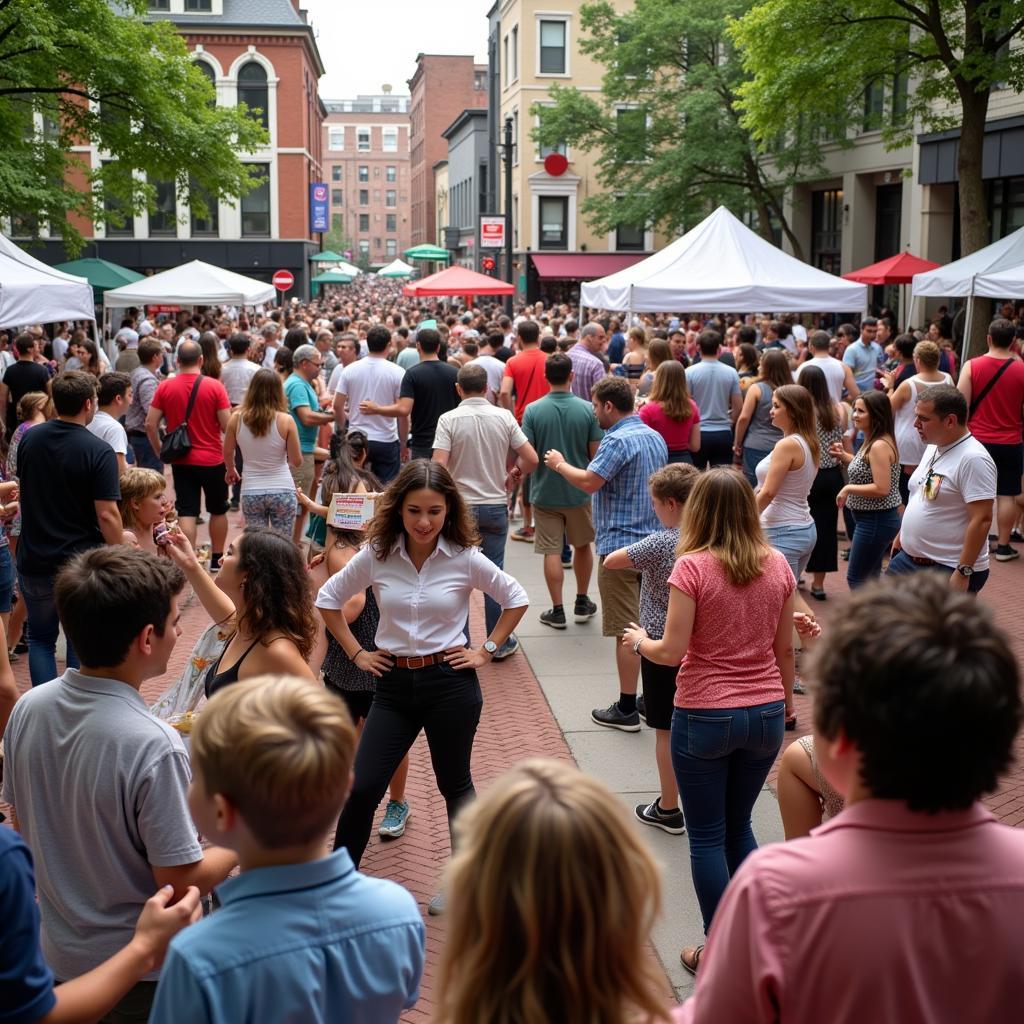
x,y
711,385
100,789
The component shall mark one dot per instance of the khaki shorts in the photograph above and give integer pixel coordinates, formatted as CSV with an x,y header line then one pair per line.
x,y
620,598
551,524
303,475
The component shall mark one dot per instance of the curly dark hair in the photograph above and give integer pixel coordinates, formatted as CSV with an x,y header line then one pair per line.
x,y
933,706
276,592
386,527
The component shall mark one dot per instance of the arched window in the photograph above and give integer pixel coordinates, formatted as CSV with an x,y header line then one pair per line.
x,y
252,90
211,76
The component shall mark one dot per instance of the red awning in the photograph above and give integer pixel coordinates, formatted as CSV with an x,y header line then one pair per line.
x,y
898,269
458,281
583,266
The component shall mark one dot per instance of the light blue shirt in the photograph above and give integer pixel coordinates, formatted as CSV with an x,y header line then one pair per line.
x,y
863,360
313,942
712,385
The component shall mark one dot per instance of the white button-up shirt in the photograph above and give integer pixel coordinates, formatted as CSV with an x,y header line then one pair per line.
x,y
422,612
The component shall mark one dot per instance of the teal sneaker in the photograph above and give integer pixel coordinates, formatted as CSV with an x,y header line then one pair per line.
x,y
395,817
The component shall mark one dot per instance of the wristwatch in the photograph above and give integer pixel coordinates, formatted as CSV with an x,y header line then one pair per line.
x,y
490,647
965,570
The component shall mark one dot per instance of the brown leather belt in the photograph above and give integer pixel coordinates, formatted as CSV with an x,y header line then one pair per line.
x,y
418,660
921,561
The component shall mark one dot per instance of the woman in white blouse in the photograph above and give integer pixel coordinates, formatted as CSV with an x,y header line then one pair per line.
x,y
422,562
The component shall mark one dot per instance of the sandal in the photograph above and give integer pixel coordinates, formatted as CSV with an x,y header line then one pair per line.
x,y
690,958
791,723
818,593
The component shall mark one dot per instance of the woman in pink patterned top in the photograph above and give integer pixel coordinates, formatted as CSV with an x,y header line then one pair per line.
x,y
730,625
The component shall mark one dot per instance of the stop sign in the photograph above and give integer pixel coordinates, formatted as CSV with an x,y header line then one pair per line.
x,y
283,280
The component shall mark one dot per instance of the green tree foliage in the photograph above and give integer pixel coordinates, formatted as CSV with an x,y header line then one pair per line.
x,y
79,72
665,126
816,60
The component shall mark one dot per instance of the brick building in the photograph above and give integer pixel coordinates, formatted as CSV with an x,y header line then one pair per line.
x,y
263,53
366,165
441,88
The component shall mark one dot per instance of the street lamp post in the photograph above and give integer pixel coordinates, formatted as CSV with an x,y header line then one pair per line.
x,y
507,158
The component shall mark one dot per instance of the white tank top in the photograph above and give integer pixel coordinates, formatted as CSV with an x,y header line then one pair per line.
x,y
789,507
264,461
908,440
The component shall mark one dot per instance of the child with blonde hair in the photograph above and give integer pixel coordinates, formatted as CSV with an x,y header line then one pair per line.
x,y
300,934
143,505
551,897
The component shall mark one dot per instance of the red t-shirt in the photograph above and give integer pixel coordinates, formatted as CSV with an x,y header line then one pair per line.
x,y
527,372
675,432
730,662
998,419
171,398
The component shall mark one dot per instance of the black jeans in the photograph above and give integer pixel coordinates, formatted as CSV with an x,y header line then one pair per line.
x,y
385,459
442,701
715,449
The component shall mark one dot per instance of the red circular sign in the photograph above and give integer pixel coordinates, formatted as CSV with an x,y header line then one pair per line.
x,y
283,280
555,164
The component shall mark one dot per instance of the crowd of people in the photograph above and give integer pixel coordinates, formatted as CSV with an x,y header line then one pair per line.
x,y
718,470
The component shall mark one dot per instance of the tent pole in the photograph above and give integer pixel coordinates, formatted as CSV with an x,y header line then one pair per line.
x,y
967,324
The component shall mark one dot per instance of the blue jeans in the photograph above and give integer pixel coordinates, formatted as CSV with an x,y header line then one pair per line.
x,y
873,535
145,457
795,543
385,458
492,524
901,564
751,457
43,626
6,579
721,759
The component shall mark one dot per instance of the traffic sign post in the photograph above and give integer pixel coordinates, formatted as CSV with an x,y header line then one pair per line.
x,y
283,281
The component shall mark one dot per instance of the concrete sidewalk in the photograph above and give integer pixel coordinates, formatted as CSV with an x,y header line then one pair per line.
x,y
576,671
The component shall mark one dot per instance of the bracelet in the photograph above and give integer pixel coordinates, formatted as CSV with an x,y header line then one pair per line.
x,y
636,646
352,658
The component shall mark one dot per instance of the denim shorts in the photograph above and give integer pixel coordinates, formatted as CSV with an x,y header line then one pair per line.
x,y
6,579
795,543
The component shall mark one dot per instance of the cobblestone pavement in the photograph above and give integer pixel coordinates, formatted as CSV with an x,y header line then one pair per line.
x,y
517,722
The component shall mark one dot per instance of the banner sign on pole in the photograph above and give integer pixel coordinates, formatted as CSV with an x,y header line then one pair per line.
x,y
317,207
492,231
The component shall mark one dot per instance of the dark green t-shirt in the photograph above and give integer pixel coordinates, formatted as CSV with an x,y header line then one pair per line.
x,y
562,421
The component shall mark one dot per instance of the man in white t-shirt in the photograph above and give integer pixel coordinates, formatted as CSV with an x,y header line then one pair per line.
x,y
270,333
494,367
838,375
113,396
380,381
945,527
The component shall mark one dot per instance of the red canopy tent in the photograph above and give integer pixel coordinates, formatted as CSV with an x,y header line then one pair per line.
x,y
899,269
458,281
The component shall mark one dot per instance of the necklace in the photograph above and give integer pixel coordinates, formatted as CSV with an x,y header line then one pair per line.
x,y
938,454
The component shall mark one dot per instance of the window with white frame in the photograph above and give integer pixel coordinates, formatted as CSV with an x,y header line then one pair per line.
x,y
390,247
364,222
389,140
163,218
390,197
363,140
337,173
554,222
364,197
552,57
364,172
253,92
336,137
558,147
364,247
337,197
630,237
391,222
515,53
391,173
256,206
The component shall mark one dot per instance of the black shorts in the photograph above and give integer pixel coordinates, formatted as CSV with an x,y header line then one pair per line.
x,y
715,449
1009,460
189,481
357,701
659,692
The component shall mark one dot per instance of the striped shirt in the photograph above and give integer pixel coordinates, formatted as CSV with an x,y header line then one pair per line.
x,y
587,370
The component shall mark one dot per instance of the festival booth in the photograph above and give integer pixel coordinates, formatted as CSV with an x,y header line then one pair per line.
x,y
396,268
722,266
101,274
458,281
896,270
995,272
33,293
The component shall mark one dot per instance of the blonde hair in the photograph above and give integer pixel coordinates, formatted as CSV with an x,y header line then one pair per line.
x,y
927,353
551,898
721,517
137,484
31,401
280,749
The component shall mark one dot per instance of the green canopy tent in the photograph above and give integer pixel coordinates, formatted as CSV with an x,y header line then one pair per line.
x,y
101,274
427,252
327,257
329,277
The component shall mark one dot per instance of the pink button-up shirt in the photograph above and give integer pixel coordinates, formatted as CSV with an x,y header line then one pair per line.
x,y
880,915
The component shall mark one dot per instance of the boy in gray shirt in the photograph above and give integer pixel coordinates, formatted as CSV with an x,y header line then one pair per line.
x,y
715,388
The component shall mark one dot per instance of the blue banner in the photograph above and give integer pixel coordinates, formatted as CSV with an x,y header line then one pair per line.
x,y
317,207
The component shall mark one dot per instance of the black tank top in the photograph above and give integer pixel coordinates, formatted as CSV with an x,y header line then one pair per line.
x,y
216,680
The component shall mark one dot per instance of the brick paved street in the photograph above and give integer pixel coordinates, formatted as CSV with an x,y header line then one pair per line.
x,y
518,722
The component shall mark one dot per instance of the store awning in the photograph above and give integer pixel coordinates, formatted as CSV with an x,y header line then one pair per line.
x,y
583,266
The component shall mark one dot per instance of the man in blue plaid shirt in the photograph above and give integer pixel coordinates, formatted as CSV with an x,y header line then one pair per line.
x,y
623,514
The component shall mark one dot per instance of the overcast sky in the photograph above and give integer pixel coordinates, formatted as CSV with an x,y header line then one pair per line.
x,y
363,45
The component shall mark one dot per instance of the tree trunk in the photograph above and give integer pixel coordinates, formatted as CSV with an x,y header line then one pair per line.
x,y
974,227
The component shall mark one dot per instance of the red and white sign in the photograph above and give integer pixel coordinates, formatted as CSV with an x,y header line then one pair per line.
x,y
283,280
492,232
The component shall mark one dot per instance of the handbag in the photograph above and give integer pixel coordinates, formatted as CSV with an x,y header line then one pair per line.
x,y
177,444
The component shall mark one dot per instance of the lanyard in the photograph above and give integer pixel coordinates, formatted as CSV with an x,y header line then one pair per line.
x,y
938,454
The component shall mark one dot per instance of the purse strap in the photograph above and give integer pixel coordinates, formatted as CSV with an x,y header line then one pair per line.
x,y
192,398
988,387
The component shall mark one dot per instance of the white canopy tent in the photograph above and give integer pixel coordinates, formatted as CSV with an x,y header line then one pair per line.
x,y
995,272
193,284
396,268
722,266
33,293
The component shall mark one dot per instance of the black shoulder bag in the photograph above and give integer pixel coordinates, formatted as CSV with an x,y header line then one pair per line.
x,y
177,444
